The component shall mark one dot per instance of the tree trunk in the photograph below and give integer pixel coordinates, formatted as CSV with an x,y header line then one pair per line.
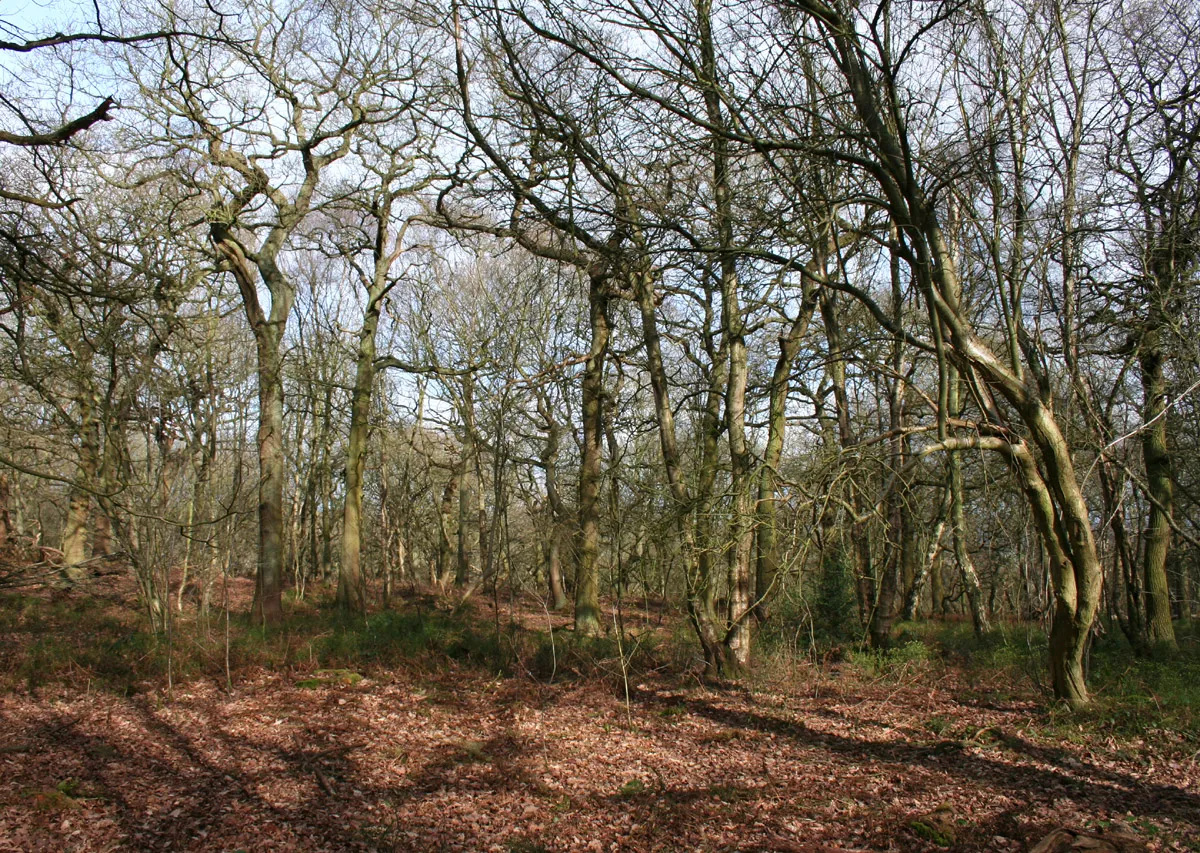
x,y
557,512
1051,484
470,492
79,506
5,518
352,588
698,588
767,566
268,338
864,572
74,538
927,568
958,522
268,587
447,529
469,539
891,581
1160,633
587,580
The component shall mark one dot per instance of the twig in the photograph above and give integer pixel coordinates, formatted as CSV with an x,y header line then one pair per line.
x,y
325,786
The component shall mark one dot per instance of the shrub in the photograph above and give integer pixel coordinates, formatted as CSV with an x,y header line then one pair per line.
x,y
913,654
835,619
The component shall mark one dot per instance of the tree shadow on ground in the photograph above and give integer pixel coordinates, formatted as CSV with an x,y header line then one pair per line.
x,y
199,784
1104,787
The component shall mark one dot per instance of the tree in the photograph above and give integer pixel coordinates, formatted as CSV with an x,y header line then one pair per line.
x,y
871,50
1155,71
261,116
92,305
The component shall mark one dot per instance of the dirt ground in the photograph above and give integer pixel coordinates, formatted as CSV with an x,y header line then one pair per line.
x,y
457,761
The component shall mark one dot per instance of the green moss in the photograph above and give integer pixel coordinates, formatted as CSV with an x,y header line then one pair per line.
x,y
52,800
632,788
330,678
931,833
526,845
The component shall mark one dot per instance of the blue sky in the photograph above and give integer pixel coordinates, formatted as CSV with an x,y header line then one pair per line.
x,y
43,17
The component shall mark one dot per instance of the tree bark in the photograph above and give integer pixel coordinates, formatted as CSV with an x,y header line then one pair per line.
x,y
352,588
865,582
268,587
1052,486
1160,633
557,511
697,586
75,528
447,529
767,565
958,522
587,572
5,517
267,608
927,567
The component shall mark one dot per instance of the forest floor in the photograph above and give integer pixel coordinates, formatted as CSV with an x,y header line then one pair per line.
x,y
916,756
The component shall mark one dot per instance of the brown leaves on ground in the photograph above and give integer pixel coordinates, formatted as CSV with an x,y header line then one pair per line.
x,y
460,762
1065,841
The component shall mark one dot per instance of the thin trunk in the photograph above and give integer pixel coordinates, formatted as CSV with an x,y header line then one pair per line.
x,y
470,490
1132,623
447,529
268,338
556,511
741,524
187,551
587,588
864,572
704,516
5,519
467,559
767,568
554,573
698,587
937,587
958,522
926,569
888,597
327,524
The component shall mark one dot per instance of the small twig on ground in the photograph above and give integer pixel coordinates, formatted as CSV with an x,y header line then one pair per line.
x,y
324,783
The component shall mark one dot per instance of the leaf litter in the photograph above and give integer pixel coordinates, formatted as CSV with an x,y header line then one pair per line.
x,y
454,761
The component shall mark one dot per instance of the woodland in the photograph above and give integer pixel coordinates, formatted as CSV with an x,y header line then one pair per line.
x,y
533,425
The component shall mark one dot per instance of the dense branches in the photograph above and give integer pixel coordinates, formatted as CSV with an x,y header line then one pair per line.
x,y
728,303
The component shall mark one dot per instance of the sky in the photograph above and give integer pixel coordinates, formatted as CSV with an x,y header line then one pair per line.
x,y
43,17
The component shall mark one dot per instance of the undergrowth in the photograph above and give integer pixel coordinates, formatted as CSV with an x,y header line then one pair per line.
x,y
1132,696
90,644
94,644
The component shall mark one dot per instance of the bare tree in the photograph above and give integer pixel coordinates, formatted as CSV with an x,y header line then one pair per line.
x,y
261,117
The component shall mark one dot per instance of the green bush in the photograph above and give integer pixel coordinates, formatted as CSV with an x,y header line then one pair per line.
x,y
835,617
